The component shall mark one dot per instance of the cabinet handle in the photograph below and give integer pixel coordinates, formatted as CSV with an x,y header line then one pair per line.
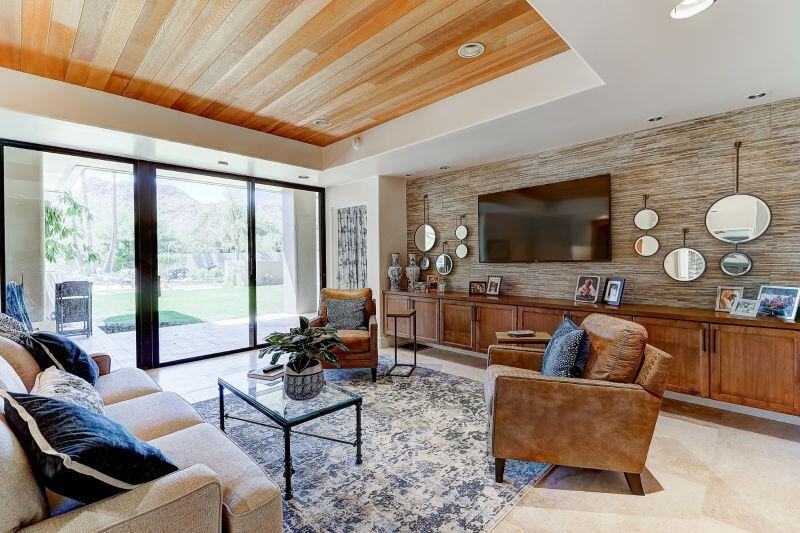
x,y
705,340
713,341
474,314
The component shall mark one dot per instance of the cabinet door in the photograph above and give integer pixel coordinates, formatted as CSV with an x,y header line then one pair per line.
x,y
579,316
396,303
687,342
456,324
539,318
427,319
492,318
757,367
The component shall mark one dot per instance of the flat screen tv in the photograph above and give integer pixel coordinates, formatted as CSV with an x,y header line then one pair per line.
x,y
565,221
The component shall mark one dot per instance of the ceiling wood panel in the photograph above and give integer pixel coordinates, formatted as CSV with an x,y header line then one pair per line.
x,y
276,65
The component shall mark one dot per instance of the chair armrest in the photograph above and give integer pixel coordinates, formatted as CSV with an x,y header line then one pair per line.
x,y
316,322
187,500
103,362
529,358
566,421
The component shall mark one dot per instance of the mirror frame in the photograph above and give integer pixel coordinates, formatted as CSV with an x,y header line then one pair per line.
x,y
459,247
415,237
664,264
436,266
658,219
658,245
749,259
466,232
769,222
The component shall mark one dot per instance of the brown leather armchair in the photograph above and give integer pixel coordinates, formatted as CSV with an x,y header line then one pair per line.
x,y
362,345
603,421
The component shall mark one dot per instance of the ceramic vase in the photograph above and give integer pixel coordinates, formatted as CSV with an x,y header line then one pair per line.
x,y
395,272
412,270
304,385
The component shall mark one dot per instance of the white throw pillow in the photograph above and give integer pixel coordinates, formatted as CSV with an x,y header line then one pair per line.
x,y
55,383
9,379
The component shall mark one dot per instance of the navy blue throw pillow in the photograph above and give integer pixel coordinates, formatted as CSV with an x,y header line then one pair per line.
x,y
77,453
50,349
559,357
583,351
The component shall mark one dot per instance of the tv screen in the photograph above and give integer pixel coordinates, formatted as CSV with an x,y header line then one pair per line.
x,y
565,221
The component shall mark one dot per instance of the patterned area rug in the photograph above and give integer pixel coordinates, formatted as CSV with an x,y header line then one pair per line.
x,y
425,462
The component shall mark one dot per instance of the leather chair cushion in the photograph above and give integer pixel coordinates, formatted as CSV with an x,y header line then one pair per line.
x,y
356,340
616,348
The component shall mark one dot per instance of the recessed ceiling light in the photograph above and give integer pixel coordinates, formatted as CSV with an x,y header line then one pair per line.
x,y
655,119
222,163
443,167
471,50
322,123
408,175
756,96
302,177
690,8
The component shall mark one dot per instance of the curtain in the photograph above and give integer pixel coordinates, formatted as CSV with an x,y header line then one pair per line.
x,y
352,247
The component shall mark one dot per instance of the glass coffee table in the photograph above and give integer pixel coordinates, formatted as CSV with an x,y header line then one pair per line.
x,y
267,398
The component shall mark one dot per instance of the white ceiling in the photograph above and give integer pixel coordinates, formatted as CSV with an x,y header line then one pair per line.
x,y
629,61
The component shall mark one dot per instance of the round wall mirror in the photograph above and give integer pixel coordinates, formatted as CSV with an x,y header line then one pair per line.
x,y
736,264
461,251
444,264
646,245
738,218
646,219
424,238
684,264
424,263
461,232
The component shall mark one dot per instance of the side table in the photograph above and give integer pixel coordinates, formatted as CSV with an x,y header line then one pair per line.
x,y
411,315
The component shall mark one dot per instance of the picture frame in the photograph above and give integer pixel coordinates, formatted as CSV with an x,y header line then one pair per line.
x,y
726,295
744,307
587,289
777,301
613,292
478,287
431,282
493,285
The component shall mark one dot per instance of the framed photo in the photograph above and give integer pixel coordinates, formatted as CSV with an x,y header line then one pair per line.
x,y
780,302
614,288
588,289
477,287
726,296
744,307
493,285
432,282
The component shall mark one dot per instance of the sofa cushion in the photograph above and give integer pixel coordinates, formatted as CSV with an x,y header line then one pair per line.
x,y
124,384
51,349
616,348
20,360
251,500
154,415
346,313
80,454
356,340
55,383
9,380
23,501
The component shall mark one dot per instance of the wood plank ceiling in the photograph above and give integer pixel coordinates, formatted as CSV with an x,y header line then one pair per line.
x,y
275,65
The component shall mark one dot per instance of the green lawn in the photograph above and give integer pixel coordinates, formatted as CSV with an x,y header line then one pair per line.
x,y
205,304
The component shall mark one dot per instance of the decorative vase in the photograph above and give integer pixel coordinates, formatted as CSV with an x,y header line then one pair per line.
x,y
395,272
412,271
304,385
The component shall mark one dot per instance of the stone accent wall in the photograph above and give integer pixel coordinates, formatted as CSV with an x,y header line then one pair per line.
x,y
684,168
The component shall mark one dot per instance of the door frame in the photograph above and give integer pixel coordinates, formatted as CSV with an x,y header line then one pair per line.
x,y
146,245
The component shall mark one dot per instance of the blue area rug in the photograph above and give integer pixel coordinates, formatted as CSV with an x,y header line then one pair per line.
x,y
425,462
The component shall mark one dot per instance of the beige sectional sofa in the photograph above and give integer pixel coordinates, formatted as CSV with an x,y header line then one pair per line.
x,y
218,487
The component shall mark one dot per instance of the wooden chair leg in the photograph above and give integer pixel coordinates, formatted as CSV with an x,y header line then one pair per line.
x,y
635,483
499,468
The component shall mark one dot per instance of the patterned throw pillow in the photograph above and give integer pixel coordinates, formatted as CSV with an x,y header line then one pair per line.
x,y
11,328
346,313
559,357
55,383
583,353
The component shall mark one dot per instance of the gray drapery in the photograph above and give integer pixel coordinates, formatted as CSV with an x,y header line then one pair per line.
x,y
352,246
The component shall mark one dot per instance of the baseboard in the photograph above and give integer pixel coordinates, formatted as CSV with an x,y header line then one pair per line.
x,y
734,408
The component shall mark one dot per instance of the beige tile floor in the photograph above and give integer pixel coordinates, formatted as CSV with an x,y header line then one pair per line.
x,y
708,470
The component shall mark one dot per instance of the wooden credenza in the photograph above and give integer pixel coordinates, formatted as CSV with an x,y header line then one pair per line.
x,y
747,361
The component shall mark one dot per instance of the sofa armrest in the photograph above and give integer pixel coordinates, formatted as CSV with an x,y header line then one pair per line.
x,y
103,362
566,421
525,357
187,500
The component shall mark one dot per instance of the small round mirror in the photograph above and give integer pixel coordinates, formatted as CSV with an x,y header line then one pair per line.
x,y
684,264
461,251
646,219
736,264
424,238
444,264
646,245
738,218
461,232
424,263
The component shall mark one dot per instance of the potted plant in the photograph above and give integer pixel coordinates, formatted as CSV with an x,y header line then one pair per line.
x,y
306,347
